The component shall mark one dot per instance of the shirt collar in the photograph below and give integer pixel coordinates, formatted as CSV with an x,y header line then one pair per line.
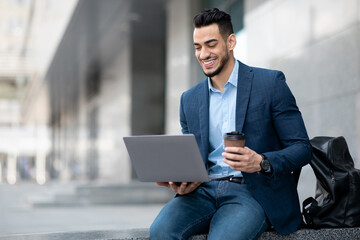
x,y
233,79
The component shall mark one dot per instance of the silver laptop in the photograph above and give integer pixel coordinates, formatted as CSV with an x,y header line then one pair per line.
x,y
164,158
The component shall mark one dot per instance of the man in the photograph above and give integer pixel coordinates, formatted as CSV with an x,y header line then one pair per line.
x,y
253,187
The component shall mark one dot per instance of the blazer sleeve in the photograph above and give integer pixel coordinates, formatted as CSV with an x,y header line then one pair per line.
x,y
290,128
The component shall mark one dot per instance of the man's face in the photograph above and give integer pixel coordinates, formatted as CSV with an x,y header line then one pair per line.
x,y
210,49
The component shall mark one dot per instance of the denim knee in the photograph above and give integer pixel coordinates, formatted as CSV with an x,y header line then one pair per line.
x,y
154,231
160,231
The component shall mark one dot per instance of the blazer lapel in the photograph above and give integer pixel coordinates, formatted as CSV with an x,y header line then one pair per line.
x,y
203,100
245,78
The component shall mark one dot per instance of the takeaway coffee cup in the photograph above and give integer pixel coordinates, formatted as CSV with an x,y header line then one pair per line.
x,y
234,139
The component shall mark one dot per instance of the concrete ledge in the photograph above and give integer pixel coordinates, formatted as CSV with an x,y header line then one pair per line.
x,y
142,234
90,195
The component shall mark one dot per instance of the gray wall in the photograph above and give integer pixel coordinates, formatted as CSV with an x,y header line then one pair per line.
x,y
316,45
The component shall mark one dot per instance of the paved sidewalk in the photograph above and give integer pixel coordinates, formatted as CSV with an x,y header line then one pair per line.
x,y
18,216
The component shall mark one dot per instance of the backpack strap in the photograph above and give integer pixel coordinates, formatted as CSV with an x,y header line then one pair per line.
x,y
309,209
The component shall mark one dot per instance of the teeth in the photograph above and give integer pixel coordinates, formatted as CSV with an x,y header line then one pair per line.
x,y
209,62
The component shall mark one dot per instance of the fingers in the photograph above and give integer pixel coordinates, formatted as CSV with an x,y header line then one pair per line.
x,y
242,159
184,187
236,156
192,186
188,188
239,166
175,187
238,153
238,150
236,165
179,189
163,184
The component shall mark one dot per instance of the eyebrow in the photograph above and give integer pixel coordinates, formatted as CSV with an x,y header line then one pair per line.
x,y
207,42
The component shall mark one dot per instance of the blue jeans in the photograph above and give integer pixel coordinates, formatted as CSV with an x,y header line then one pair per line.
x,y
224,210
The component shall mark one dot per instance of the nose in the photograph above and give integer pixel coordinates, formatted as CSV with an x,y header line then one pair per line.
x,y
204,54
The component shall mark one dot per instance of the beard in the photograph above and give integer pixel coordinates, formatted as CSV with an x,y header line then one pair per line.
x,y
220,68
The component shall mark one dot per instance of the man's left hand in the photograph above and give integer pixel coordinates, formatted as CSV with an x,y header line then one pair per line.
x,y
242,159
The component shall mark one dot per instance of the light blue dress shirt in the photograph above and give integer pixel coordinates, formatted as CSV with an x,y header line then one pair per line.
x,y
222,111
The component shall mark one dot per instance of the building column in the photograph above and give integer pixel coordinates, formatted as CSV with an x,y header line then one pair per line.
x,y
178,58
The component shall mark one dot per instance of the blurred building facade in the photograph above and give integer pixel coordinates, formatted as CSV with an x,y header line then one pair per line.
x,y
122,65
30,31
116,72
13,69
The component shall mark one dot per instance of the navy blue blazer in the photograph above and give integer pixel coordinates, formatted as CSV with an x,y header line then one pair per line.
x,y
267,113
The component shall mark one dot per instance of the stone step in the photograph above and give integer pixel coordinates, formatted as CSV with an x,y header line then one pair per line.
x,y
143,234
84,195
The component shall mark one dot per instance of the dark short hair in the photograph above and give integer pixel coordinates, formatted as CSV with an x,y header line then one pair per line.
x,y
214,15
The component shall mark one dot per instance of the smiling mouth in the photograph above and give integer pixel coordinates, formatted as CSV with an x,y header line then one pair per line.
x,y
208,63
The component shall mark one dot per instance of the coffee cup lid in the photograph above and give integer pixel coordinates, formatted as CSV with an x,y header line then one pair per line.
x,y
234,135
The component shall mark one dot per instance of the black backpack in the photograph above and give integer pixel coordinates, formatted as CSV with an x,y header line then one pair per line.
x,y
337,197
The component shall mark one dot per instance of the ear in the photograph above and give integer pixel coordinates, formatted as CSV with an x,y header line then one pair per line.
x,y
231,41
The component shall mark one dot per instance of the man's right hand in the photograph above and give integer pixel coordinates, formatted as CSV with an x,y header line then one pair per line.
x,y
182,189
